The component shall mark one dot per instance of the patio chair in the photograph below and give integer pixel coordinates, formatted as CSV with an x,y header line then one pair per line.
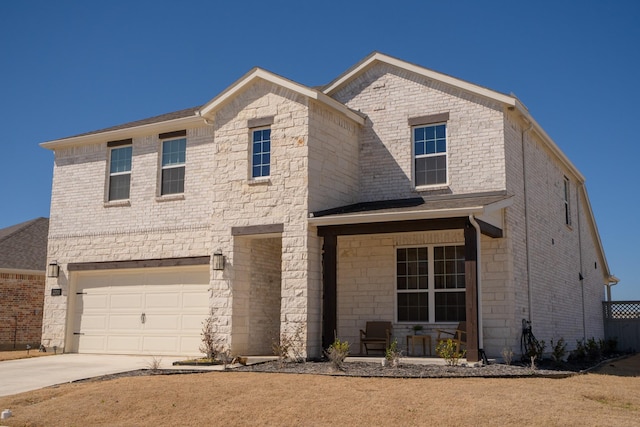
x,y
458,335
377,334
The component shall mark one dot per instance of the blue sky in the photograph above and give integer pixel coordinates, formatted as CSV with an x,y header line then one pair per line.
x,y
68,67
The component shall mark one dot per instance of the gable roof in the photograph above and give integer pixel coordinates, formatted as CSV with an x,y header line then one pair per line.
x,y
208,109
24,246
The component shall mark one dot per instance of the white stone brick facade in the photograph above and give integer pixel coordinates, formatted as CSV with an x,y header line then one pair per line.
x,y
323,157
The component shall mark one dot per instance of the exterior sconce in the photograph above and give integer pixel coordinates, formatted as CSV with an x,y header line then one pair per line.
x,y
53,269
218,260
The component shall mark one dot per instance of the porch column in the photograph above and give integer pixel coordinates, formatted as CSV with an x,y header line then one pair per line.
x,y
471,294
329,285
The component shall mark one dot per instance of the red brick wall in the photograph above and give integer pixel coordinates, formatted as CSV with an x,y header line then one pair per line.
x,y
21,303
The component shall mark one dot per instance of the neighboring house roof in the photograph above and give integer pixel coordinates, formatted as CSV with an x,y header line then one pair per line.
x,y
24,246
445,206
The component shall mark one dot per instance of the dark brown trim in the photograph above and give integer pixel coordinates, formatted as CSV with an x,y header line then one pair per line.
x,y
428,120
174,134
120,142
259,122
392,227
489,230
257,229
329,290
471,291
144,263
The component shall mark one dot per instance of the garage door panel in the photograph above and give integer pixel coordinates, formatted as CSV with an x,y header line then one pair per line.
x,y
161,344
165,322
123,343
157,299
92,343
192,323
109,311
125,322
94,301
127,301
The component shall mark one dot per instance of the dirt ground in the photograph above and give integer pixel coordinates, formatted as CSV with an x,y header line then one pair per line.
x,y
609,396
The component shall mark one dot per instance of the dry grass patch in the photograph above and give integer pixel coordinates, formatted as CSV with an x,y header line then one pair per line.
x,y
21,354
238,398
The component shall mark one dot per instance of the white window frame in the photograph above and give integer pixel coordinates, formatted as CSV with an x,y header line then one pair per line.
x,y
414,157
251,164
171,166
112,174
431,291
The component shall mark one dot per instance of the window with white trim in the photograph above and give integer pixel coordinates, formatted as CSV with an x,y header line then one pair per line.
x,y
567,201
120,173
261,153
430,154
430,284
173,166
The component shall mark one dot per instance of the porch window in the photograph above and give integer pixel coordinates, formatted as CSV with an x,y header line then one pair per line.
x,y
430,284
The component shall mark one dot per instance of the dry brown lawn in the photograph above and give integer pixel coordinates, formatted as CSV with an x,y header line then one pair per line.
x,y
242,398
21,354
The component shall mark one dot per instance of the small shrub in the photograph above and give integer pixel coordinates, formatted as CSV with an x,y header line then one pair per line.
x,y
392,354
609,347
337,353
580,352
593,349
535,350
448,350
507,355
154,364
417,329
558,351
211,342
289,346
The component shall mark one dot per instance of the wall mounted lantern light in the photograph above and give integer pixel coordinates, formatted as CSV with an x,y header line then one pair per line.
x,y
53,269
218,260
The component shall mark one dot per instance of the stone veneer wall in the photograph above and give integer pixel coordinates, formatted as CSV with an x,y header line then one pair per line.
x,y
389,97
21,303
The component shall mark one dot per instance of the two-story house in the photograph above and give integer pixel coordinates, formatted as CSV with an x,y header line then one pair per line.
x,y
393,193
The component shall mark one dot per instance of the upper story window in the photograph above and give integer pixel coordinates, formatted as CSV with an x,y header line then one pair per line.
x,y
429,135
430,148
119,169
261,153
430,284
567,201
173,166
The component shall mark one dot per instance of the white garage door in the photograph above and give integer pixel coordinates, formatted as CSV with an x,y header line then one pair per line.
x,y
145,311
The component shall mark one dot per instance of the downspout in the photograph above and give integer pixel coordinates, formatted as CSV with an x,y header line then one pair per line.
x,y
584,318
526,219
473,222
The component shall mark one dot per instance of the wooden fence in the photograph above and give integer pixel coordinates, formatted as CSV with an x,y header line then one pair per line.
x,y
622,322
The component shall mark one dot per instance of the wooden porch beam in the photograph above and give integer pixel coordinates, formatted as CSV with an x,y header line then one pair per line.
x,y
471,291
330,293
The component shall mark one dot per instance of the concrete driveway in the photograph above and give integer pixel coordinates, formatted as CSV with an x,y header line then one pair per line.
x,y
17,376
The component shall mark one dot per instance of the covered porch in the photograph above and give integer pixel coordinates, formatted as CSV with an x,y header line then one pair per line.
x,y
408,261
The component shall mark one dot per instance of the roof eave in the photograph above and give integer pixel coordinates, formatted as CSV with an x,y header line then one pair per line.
x,y
348,219
207,110
113,135
336,84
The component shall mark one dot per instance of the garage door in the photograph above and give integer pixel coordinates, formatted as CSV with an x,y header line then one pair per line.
x,y
146,311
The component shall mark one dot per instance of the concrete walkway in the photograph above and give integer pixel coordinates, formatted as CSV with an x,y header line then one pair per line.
x,y
18,376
